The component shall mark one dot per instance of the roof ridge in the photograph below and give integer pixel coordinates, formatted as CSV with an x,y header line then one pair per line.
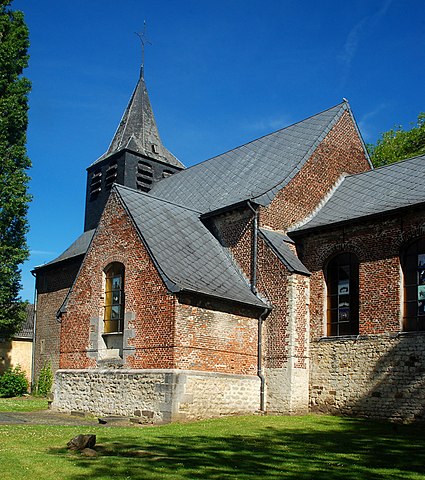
x,y
259,138
343,107
381,167
397,162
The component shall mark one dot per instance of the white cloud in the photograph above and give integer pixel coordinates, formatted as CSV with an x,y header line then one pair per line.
x,y
368,132
267,125
355,36
41,252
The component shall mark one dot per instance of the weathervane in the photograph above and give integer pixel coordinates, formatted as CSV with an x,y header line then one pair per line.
x,y
143,41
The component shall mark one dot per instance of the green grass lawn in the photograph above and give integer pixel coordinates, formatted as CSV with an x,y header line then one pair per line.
x,y
22,404
312,447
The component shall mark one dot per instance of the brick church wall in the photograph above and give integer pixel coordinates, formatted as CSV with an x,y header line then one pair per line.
x,y
341,152
149,307
286,339
186,358
213,340
234,231
372,374
286,330
53,284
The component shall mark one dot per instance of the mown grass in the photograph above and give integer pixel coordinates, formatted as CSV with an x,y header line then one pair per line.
x,y
238,448
22,404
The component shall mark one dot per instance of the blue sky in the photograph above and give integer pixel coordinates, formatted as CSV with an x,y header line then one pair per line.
x,y
219,73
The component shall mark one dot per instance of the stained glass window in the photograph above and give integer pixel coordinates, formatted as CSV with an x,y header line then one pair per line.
x,y
413,262
342,280
114,298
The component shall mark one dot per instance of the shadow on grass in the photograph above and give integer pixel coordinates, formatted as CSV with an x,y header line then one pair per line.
x,y
350,449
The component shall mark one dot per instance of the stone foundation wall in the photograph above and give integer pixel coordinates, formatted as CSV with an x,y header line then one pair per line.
x,y
155,395
377,376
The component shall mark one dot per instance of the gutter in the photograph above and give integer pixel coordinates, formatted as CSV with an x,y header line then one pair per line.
x,y
33,386
260,372
264,313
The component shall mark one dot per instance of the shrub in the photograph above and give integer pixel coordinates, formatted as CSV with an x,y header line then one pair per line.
x,y
45,381
13,382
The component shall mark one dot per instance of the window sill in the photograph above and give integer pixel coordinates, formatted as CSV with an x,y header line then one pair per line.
x,y
340,338
360,337
414,333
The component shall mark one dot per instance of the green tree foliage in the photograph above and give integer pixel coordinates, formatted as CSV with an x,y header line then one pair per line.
x,y
14,163
398,144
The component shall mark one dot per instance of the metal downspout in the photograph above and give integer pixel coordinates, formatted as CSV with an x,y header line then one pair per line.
x,y
33,335
264,313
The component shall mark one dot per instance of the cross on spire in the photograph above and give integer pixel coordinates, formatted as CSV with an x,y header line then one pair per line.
x,y
143,41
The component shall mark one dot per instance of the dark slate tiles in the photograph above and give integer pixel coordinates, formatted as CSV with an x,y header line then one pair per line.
x,y
381,190
79,247
187,255
138,131
256,170
280,242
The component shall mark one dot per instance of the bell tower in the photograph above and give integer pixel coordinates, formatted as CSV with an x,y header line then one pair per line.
x,y
135,158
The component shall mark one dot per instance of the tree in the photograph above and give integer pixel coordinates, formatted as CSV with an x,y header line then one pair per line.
x,y
14,163
398,144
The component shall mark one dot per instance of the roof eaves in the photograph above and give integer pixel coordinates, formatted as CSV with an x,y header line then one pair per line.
x,y
257,302
226,208
77,244
288,265
63,307
361,218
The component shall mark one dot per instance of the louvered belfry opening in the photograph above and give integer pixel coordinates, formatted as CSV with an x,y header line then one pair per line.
x,y
144,176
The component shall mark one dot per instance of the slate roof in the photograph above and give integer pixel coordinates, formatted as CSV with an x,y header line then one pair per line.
x,y
374,192
255,171
187,255
79,247
279,243
138,131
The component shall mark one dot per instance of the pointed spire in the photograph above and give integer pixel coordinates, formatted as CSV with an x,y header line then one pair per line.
x,y
138,131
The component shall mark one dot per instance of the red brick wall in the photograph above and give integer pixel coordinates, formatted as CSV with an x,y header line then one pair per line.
x,y
46,345
216,341
234,231
340,152
52,283
377,244
145,296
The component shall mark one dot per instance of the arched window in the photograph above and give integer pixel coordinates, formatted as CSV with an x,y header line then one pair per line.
x,y
342,280
413,263
114,298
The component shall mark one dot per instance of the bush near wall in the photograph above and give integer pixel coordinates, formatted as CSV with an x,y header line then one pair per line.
x,y
13,382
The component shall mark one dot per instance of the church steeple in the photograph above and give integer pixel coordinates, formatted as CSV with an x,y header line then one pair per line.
x,y
138,131
135,158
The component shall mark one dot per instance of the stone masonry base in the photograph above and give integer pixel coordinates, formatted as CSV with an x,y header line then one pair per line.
x,y
376,376
155,396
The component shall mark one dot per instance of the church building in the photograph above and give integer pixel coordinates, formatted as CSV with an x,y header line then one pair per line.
x,y
281,277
